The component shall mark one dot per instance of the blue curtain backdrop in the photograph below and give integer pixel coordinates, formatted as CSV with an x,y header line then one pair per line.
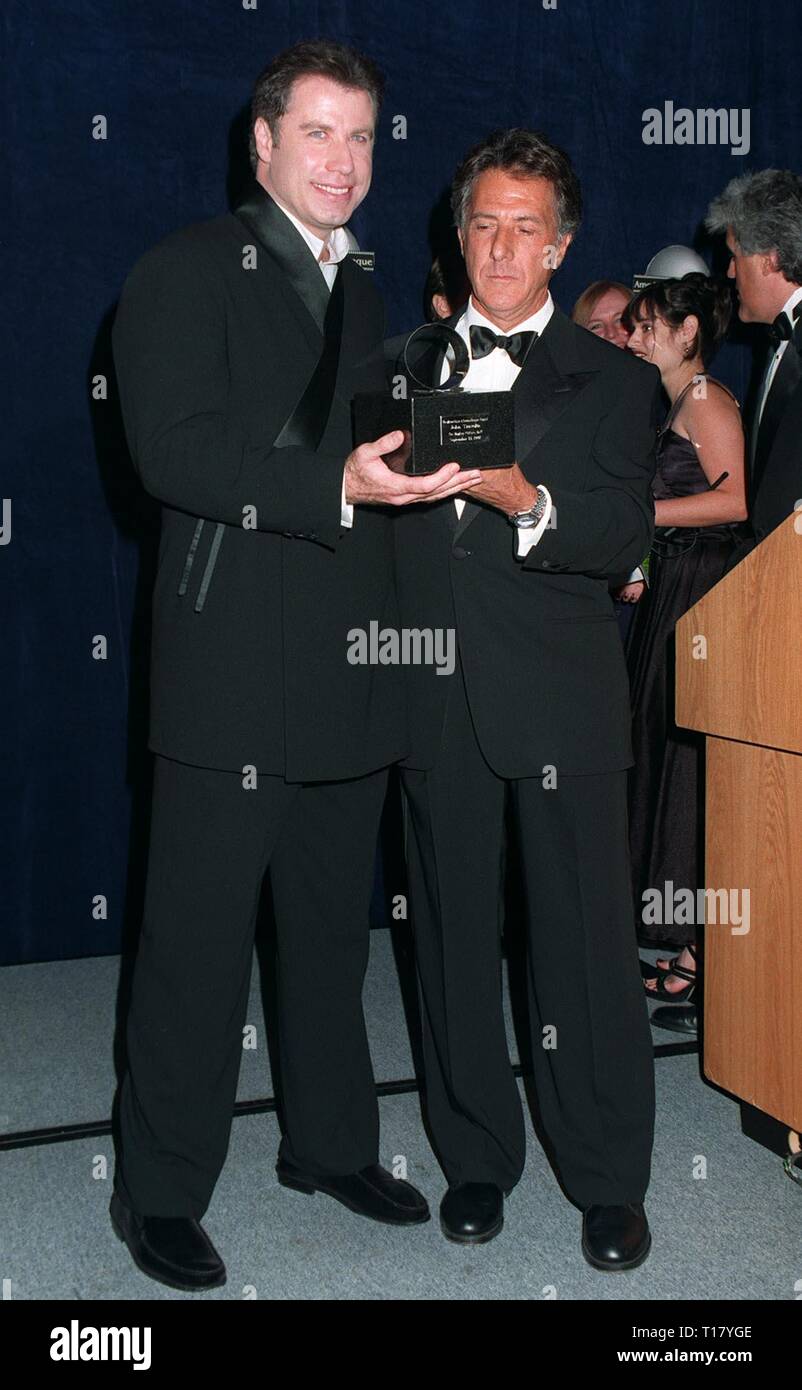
x,y
172,79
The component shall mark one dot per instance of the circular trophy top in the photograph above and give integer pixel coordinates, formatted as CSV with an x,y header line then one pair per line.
x,y
462,358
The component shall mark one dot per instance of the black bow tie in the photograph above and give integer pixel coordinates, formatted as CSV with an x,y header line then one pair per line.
x,y
782,329
484,340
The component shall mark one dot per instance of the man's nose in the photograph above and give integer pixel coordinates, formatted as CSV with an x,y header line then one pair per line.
x,y
340,156
501,249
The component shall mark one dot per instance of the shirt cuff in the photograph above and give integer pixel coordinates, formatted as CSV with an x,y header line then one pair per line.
x,y
346,508
528,536
637,576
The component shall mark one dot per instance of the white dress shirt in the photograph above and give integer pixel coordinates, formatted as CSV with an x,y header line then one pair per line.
x,y
497,372
339,244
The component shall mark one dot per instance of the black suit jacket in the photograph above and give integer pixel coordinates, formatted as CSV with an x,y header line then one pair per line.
x,y
219,331
778,486
540,648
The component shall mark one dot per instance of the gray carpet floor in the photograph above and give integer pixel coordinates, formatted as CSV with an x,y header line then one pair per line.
x,y
732,1234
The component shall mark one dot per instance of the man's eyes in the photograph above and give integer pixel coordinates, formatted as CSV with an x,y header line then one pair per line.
x,y
486,226
361,139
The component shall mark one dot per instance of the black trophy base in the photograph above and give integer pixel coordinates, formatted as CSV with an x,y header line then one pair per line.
x,y
475,429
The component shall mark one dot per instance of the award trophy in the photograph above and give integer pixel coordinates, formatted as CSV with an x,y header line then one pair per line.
x,y
441,423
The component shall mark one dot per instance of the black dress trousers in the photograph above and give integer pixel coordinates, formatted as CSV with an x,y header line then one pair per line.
x,y
591,1041
211,843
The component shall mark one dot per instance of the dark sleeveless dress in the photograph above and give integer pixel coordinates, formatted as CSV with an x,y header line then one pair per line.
x,y
666,784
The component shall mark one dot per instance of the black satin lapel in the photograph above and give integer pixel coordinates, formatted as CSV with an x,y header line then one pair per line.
x,y
307,423
266,221
783,388
469,513
319,312
542,394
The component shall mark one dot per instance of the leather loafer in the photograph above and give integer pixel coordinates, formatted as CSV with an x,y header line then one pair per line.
x,y
472,1212
615,1237
175,1250
372,1192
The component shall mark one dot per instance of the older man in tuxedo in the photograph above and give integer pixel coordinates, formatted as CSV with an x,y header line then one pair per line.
x,y
537,713
239,344
761,216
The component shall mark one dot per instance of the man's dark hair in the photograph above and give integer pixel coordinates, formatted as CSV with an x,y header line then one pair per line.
x,y
526,153
311,58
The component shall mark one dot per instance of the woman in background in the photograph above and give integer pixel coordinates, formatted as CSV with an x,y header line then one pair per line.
x,y
699,494
600,309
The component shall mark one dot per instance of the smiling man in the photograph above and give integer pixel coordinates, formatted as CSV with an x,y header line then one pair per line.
x,y
535,718
239,344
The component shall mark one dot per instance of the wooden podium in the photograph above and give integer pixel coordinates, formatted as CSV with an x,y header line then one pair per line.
x,y
739,681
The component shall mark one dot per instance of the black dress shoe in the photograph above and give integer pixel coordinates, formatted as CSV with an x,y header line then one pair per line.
x,y
173,1249
372,1192
615,1237
472,1212
677,1018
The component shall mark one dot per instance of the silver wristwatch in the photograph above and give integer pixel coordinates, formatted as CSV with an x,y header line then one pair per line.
x,y
526,520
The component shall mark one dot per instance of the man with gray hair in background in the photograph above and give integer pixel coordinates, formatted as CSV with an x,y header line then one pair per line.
x,y
761,215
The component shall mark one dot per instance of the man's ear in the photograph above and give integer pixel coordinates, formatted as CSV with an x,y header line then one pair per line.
x,y
770,263
561,248
461,242
263,139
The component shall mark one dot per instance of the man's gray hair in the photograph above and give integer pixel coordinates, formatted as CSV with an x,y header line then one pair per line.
x,y
524,154
765,213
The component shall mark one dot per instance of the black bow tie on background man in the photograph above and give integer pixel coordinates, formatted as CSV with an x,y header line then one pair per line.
x,y
782,329
483,340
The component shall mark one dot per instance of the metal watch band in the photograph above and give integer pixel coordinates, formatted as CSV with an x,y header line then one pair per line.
x,y
527,519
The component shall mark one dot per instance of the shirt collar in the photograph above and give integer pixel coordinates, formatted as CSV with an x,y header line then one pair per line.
x,y
792,300
536,322
338,243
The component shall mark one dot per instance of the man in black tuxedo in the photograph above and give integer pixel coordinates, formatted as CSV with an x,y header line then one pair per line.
x,y
239,344
761,215
537,712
